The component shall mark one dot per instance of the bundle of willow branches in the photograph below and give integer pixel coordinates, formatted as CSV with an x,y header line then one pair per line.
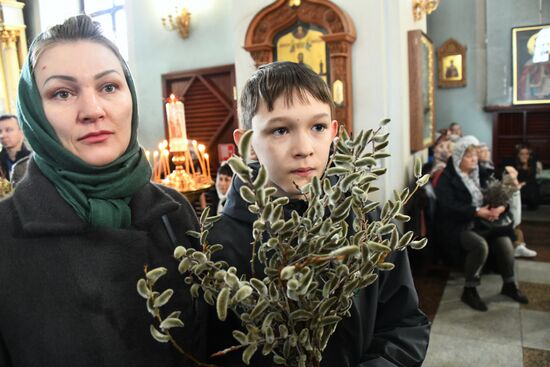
x,y
314,262
498,193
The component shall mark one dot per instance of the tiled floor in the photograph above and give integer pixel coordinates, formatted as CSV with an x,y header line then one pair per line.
x,y
508,335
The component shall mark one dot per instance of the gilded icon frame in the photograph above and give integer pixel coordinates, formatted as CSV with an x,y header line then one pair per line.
x,y
530,80
310,45
451,64
421,90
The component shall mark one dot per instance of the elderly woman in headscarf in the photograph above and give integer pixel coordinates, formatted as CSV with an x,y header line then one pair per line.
x,y
459,202
77,232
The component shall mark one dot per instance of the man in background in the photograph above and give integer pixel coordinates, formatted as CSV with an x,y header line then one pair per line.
x,y
455,131
13,148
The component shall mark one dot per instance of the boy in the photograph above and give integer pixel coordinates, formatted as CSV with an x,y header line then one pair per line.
x,y
289,108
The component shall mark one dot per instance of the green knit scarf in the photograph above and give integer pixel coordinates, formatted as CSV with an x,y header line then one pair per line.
x,y
99,195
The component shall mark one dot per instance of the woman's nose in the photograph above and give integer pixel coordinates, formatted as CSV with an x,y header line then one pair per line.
x,y
91,108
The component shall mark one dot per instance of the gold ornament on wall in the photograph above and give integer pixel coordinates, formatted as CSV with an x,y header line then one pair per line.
x,y
421,7
13,51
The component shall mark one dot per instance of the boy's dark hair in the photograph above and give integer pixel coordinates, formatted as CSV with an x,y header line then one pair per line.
x,y
277,79
7,117
225,169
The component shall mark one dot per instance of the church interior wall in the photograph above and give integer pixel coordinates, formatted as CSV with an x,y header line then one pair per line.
x,y
501,17
465,22
484,27
153,51
379,59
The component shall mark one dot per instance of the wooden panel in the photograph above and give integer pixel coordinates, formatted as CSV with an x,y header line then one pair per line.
x,y
538,125
510,124
527,125
210,110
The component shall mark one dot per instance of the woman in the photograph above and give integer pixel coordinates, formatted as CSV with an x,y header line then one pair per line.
x,y
526,166
80,227
459,202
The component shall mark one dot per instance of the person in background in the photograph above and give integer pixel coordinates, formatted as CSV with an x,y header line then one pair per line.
x,y
79,229
526,166
215,197
223,183
455,131
459,202
510,178
485,160
13,146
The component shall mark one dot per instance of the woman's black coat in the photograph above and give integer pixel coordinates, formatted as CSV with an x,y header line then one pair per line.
x,y
68,292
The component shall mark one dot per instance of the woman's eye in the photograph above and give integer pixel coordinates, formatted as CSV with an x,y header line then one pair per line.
x,y
280,131
62,94
110,88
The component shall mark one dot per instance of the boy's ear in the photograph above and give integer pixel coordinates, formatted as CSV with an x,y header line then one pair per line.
x,y
237,135
334,128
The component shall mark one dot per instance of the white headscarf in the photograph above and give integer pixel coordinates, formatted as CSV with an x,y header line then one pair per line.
x,y
471,180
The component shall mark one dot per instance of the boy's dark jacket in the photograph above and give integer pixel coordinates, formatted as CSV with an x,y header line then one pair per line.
x,y
386,327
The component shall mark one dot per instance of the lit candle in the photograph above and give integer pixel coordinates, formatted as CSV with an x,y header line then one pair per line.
x,y
156,173
207,164
148,156
201,158
196,149
186,148
166,164
175,115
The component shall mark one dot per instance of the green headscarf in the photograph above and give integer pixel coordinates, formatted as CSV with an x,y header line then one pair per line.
x,y
99,195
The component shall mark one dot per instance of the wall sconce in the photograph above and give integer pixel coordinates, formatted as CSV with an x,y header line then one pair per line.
x,y
180,20
421,7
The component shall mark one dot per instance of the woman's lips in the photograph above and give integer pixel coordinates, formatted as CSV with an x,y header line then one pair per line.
x,y
95,137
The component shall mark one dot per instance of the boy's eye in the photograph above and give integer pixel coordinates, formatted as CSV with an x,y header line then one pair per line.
x,y
280,131
319,127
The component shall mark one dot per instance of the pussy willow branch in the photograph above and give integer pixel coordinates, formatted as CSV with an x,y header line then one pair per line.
x,y
173,341
180,349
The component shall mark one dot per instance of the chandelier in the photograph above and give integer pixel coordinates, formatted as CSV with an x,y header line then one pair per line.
x,y
179,20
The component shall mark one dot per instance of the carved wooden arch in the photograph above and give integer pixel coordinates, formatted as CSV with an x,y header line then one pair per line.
x,y
340,36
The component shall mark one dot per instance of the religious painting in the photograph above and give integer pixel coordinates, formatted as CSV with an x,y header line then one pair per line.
x,y
451,58
303,44
421,90
531,64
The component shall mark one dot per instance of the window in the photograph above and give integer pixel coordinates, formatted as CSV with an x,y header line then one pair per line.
x,y
112,17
